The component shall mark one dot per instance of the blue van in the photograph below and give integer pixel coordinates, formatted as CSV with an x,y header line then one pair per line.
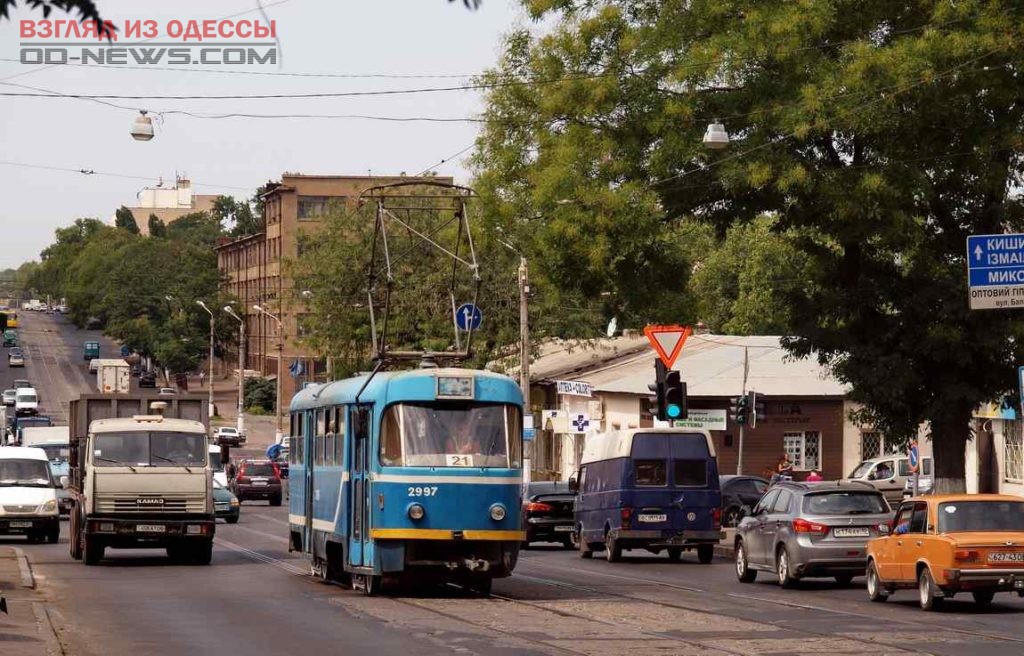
x,y
648,488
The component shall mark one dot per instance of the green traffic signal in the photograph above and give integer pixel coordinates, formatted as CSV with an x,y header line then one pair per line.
x,y
673,411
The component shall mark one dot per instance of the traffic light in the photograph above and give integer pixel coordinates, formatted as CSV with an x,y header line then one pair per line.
x,y
738,409
659,390
675,396
756,408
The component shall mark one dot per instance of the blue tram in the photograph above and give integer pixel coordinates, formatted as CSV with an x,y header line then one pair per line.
x,y
412,475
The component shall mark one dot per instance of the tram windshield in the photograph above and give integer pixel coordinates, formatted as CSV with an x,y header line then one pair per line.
x,y
451,435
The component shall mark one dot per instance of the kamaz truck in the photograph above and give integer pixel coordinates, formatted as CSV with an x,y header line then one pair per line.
x,y
140,476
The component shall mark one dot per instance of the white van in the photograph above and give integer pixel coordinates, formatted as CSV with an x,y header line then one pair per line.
x,y
26,401
219,474
28,495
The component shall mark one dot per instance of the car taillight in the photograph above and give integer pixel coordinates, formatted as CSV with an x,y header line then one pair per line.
x,y
716,517
965,555
801,525
626,514
538,507
277,472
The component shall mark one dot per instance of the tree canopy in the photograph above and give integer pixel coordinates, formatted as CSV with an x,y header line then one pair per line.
x,y
878,135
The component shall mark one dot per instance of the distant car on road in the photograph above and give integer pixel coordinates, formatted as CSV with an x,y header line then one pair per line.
x,y
548,513
226,505
9,395
21,382
167,391
15,358
147,379
739,495
91,350
258,479
10,338
26,402
802,530
228,436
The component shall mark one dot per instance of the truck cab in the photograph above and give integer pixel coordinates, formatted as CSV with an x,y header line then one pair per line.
x,y
90,350
143,482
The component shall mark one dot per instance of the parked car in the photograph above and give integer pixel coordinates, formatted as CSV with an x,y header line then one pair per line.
x,y
649,488
15,358
739,495
802,530
167,391
147,379
548,513
9,397
258,479
226,505
228,436
943,545
888,474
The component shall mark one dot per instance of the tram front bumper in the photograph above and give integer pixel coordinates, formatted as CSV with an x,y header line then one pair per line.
x,y
448,552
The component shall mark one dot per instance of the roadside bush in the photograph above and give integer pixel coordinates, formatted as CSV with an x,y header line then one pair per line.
x,y
260,393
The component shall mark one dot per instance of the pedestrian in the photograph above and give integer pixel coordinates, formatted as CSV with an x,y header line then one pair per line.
x,y
814,477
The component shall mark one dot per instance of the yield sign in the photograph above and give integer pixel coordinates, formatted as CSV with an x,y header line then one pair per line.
x,y
667,341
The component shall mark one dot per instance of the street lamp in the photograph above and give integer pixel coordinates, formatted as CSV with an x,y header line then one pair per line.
x,y
241,368
210,384
142,128
280,369
524,339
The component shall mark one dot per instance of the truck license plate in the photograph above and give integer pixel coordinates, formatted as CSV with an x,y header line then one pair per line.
x,y
559,529
1006,557
652,518
150,528
851,532
21,524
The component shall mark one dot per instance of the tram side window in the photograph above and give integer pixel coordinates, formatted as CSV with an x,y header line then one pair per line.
x,y
391,440
319,439
296,451
335,445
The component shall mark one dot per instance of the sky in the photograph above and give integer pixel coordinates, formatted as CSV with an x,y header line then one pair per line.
x,y
234,156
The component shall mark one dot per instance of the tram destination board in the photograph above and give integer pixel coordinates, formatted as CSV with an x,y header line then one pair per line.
x,y
995,271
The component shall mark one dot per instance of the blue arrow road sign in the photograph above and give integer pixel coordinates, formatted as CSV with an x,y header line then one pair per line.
x,y
995,271
914,457
468,317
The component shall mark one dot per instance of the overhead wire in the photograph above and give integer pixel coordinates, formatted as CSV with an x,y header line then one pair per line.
x,y
126,176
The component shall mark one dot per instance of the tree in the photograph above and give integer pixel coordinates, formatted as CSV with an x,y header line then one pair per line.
x,y
239,214
124,219
157,228
883,133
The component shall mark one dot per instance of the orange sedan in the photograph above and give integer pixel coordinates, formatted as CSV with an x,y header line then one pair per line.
x,y
945,544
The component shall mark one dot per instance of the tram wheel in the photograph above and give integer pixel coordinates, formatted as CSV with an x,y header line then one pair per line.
x,y
370,584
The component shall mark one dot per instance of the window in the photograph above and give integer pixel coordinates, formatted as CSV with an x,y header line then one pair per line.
x,y
691,472
919,520
803,449
312,207
845,503
451,434
149,449
870,445
782,502
981,516
650,473
766,502
1013,452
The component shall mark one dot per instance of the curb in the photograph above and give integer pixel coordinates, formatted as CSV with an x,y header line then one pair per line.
x,y
44,625
27,579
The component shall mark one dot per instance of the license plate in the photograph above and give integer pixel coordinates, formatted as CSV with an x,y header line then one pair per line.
x,y
150,528
851,532
21,524
1006,557
563,528
259,482
653,518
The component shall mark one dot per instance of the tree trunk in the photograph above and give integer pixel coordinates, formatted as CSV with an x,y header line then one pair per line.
x,y
950,433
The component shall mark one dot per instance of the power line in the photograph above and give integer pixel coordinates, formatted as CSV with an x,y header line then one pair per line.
x,y
109,174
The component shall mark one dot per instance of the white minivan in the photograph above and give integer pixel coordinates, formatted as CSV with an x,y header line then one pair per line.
x,y
28,495
26,401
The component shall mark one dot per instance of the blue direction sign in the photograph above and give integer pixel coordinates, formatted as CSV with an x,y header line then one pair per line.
x,y
468,317
995,271
913,457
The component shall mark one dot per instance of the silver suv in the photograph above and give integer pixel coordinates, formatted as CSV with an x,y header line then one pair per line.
x,y
802,530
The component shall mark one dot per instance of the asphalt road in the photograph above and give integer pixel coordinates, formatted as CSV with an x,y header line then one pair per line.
x,y
256,598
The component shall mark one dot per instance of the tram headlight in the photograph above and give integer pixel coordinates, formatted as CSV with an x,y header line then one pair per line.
x,y
498,512
416,511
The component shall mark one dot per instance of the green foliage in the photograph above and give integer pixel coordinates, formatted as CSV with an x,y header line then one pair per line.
x,y
157,228
124,219
260,393
244,221
877,134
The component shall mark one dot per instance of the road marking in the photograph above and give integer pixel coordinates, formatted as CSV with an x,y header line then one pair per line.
x,y
631,579
257,556
252,530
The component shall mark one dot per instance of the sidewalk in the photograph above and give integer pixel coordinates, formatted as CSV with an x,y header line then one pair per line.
x,y
25,629
726,549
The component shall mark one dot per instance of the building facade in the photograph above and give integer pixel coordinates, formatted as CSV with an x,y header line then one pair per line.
x,y
255,269
169,203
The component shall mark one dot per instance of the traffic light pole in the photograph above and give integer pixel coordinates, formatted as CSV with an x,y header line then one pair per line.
x,y
739,455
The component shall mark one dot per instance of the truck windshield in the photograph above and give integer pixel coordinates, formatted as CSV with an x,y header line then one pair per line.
x,y
24,472
451,435
149,449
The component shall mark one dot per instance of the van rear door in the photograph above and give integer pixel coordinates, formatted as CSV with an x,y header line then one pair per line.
x,y
675,480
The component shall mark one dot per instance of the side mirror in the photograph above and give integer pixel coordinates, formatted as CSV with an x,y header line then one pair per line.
x,y
65,482
884,529
574,485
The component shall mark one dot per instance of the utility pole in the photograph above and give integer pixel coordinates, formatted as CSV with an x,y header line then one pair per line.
x,y
746,370
241,367
524,359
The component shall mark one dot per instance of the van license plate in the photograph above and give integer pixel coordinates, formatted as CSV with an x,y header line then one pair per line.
x,y
559,529
651,519
1006,557
150,528
21,524
851,532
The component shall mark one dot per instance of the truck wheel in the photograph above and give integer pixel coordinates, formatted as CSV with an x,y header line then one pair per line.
x,y
275,501
75,541
176,553
233,519
92,553
202,553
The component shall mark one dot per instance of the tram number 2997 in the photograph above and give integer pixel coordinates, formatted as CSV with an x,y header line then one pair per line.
x,y
424,491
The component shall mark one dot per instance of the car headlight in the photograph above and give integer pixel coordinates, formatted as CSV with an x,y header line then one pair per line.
x,y
498,512
49,506
416,511
234,502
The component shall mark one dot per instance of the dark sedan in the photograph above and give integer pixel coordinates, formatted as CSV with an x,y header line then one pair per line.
x,y
548,513
739,495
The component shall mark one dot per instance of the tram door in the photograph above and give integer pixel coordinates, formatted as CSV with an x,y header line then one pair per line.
x,y
313,420
359,465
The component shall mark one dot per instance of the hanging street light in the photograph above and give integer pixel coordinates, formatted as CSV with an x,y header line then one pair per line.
x,y
716,137
142,128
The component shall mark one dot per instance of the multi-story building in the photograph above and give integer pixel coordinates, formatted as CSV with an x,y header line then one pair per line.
x,y
169,203
255,268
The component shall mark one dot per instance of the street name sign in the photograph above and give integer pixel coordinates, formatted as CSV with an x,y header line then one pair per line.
x,y
667,341
573,387
702,420
995,271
